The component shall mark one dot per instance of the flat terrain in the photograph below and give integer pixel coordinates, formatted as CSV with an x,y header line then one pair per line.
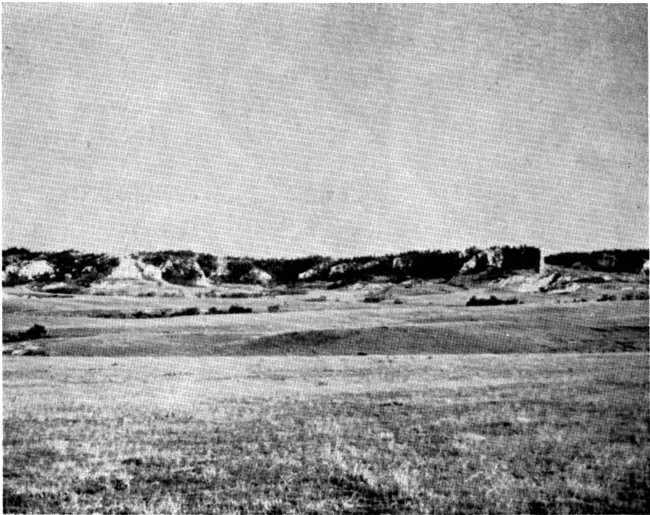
x,y
329,406
373,434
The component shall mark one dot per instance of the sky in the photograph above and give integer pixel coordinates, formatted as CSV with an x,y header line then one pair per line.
x,y
289,130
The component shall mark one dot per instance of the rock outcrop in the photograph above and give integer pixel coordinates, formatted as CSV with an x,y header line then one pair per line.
x,y
483,260
128,269
131,269
258,276
29,271
313,272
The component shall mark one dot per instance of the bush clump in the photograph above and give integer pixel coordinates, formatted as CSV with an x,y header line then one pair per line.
x,y
492,301
235,309
635,295
35,332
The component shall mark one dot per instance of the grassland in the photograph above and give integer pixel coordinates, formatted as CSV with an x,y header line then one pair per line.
x,y
427,406
373,434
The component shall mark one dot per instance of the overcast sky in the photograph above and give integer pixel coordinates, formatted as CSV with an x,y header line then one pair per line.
x,y
283,130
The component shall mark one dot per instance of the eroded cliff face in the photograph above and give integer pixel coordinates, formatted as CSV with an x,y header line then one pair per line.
x,y
186,268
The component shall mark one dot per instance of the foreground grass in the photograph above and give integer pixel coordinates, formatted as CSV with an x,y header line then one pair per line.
x,y
464,434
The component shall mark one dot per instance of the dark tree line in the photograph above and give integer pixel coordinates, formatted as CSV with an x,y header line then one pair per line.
x,y
625,261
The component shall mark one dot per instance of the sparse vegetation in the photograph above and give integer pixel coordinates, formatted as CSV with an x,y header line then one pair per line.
x,y
636,295
168,313
241,295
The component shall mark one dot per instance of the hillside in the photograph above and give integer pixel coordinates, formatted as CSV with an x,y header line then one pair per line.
x,y
187,268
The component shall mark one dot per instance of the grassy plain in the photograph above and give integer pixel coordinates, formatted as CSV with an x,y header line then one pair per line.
x,y
534,408
561,433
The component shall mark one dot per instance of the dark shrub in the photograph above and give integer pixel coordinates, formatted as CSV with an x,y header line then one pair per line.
x,y
186,312
235,309
181,273
286,271
208,263
520,258
35,332
240,295
81,269
216,311
492,301
238,270
274,309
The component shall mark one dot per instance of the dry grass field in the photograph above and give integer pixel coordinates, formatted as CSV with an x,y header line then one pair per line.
x,y
334,406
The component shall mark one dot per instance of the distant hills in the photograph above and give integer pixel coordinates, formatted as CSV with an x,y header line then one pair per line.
x,y
187,268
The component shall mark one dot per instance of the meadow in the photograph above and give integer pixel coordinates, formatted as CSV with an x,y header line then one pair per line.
x,y
426,406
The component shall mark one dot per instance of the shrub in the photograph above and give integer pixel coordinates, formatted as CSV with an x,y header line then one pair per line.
x,y
492,301
238,270
235,309
636,295
35,332
181,272
208,263
186,312
240,295
274,308
81,269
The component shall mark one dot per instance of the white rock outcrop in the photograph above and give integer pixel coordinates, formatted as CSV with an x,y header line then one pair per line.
x,y
313,272
339,269
30,270
258,276
399,263
483,260
128,269
150,272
